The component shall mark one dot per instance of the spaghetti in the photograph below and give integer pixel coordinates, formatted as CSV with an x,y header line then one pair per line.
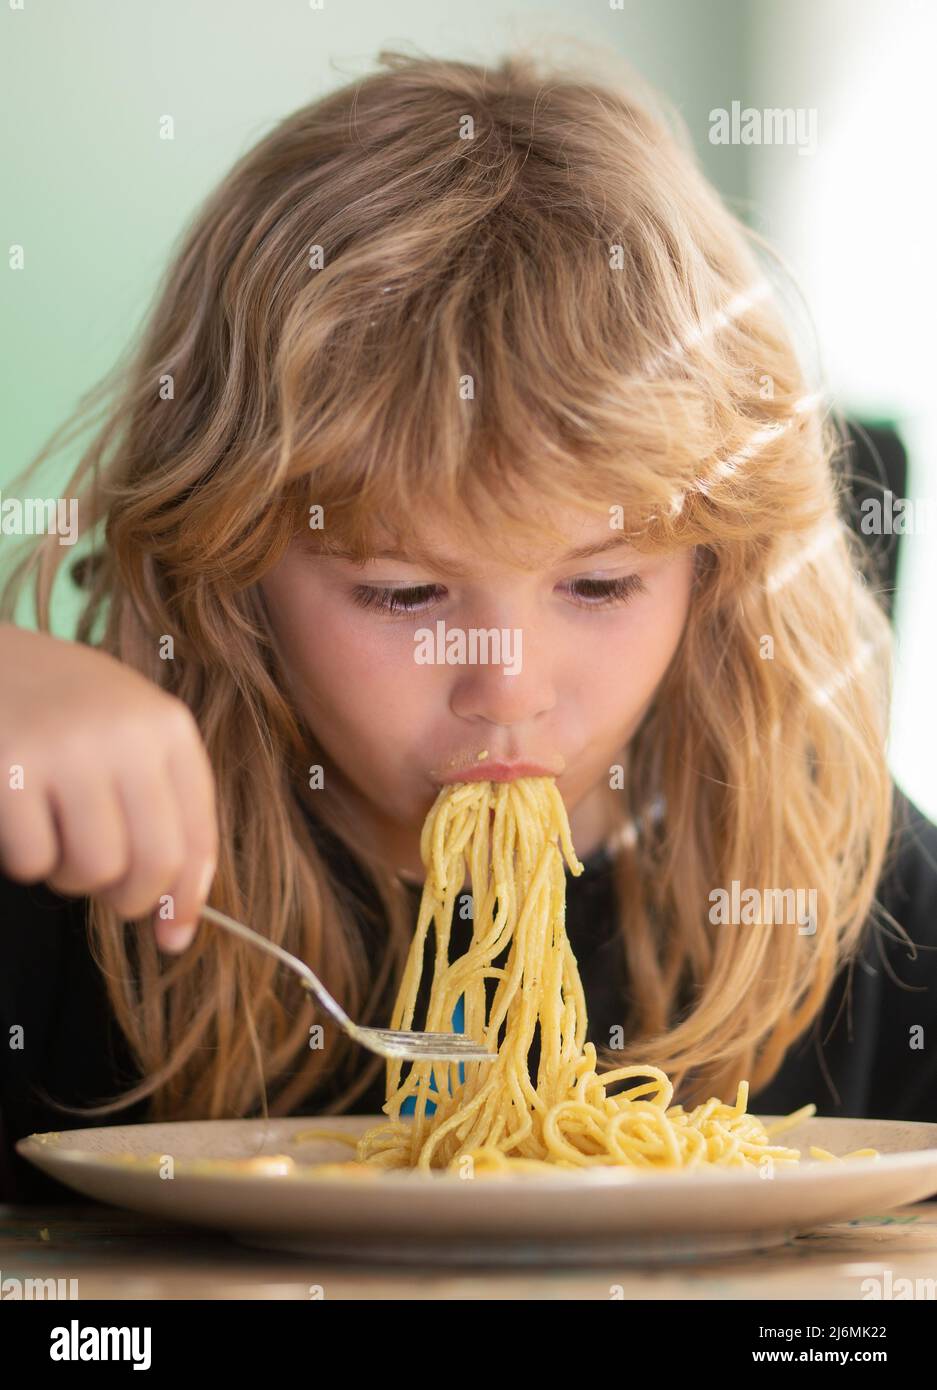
x,y
513,838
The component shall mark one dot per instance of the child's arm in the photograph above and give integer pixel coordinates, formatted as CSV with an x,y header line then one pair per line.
x,y
105,784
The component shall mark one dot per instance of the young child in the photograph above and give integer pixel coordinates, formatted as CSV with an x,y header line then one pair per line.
x,y
456,352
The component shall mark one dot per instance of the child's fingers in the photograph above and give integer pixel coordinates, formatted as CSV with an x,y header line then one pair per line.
x,y
157,848
194,786
92,839
101,812
29,844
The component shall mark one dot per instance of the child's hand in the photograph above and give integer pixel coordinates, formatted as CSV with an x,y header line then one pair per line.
x,y
115,796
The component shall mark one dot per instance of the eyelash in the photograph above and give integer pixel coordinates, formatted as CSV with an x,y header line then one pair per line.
x,y
604,594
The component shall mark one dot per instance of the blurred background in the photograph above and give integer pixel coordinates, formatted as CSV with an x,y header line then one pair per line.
x,y
96,197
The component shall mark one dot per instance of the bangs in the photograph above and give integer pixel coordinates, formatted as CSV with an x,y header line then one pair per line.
x,y
462,409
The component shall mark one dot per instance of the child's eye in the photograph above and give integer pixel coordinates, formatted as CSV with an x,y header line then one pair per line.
x,y
395,600
601,593
588,593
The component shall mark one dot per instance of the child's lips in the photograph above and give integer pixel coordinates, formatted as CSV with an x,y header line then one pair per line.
x,y
496,772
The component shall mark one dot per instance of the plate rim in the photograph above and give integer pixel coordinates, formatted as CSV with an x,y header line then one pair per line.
x,y
43,1144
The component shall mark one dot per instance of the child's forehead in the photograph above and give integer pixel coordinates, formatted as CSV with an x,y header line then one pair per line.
x,y
461,545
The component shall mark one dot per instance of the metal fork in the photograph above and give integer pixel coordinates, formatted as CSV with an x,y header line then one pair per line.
x,y
388,1042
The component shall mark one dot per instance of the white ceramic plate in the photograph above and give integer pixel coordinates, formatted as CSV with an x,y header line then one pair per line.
x,y
572,1217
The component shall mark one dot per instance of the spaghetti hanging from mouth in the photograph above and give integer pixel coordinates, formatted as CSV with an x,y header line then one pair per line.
x,y
492,1116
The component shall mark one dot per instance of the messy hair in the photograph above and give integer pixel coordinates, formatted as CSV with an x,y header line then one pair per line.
x,y
439,290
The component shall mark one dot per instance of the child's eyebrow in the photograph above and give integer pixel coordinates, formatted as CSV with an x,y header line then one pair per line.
x,y
583,552
443,563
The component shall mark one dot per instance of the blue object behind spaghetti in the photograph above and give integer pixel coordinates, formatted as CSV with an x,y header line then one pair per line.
x,y
458,1024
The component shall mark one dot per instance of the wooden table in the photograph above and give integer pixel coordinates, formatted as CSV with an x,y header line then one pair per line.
x,y
113,1254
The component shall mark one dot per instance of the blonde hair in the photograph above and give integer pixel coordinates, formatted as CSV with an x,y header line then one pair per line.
x,y
524,279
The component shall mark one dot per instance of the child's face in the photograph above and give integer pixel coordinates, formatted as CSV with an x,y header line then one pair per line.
x,y
588,659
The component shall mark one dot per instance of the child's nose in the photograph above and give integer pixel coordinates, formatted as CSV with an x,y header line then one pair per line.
x,y
508,692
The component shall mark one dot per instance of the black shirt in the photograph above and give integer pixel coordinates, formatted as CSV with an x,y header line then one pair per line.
x,y
872,1052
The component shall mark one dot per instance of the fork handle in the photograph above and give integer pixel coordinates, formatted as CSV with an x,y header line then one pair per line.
x,y
309,979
